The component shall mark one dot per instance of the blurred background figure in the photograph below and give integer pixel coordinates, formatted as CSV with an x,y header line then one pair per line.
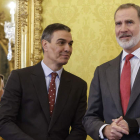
x,y
1,90
1,85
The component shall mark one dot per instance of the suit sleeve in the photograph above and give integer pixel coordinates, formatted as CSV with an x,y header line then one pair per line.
x,y
10,105
133,125
93,119
77,130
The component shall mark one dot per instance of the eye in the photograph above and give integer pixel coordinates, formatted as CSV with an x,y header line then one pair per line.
x,y
70,44
61,43
129,22
118,23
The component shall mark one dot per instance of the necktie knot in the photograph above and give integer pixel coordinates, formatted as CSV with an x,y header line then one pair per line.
x,y
128,57
53,74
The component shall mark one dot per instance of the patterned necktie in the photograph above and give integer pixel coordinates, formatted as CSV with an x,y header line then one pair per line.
x,y
125,83
52,92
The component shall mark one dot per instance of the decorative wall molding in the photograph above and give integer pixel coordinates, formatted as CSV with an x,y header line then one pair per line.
x,y
28,33
24,12
17,36
36,57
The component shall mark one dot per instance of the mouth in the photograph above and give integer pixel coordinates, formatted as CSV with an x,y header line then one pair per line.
x,y
65,55
125,36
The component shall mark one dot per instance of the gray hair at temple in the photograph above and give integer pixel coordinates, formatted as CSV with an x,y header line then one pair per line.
x,y
129,5
50,29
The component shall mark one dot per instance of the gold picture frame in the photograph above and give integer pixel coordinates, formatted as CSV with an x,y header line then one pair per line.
x,y
28,33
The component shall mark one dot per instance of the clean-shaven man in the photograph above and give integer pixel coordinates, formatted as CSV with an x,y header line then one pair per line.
x,y
44,101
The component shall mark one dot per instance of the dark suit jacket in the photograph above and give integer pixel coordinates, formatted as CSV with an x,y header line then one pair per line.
x,y
104,102
24,112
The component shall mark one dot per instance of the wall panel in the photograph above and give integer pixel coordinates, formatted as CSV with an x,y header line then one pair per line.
x,y
92,24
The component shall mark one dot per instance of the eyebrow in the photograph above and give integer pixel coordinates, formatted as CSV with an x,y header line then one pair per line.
x,y
117,22
61,39
127,20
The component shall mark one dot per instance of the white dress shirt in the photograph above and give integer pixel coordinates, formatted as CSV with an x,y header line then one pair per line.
x,y
47,72
135,64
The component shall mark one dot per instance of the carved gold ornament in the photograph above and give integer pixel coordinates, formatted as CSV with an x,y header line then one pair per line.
x,y
28,33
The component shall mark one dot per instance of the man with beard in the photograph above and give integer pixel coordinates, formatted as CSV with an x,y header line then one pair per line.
x,y
114,100
45,102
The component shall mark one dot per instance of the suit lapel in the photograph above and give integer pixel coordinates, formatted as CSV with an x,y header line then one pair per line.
x,y
39,82
62,97
135,90
113,79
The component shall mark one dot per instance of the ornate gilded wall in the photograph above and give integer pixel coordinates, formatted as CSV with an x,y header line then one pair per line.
x,y
93,33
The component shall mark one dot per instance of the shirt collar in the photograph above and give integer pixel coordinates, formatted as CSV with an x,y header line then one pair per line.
x,y
136,53
48,71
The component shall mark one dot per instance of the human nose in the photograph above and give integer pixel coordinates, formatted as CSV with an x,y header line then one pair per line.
x,y
67,47
123,28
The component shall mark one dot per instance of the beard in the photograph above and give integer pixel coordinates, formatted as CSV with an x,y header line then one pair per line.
x,y
128,44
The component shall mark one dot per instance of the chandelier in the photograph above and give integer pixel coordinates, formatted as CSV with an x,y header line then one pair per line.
x,y
9,29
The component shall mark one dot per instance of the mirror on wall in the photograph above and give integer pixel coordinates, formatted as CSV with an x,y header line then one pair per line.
x,y
4,64
7,36
20,40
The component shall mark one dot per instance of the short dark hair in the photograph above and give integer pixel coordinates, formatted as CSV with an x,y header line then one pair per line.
x,y
50,29
128,5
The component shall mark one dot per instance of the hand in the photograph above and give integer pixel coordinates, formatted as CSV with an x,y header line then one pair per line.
x,y
122,123
113,131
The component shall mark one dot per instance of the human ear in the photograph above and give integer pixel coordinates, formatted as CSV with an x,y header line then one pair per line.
x,y
45,44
